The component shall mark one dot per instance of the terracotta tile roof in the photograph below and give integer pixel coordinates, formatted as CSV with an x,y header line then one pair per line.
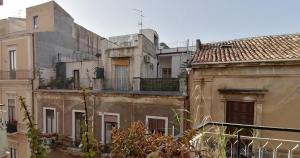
x,y
266,48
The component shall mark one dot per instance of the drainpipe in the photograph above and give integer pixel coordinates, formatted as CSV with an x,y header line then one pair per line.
x,y
33,78
63,116
1,67
94,104
157,69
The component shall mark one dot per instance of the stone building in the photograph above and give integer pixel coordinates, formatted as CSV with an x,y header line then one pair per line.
x,y
59,112
16,74
133,57
248,81
173,61
118,96
29,51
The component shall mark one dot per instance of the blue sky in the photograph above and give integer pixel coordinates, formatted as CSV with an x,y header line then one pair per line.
x,y
179,20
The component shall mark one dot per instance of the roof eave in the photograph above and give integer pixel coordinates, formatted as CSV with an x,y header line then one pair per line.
x,y
248,63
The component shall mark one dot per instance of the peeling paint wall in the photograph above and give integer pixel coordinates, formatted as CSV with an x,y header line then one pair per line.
x,y
278,107
131,107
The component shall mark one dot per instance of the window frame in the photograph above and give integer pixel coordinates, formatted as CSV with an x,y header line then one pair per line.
x,y
73,122
158,118
55,121
102,115
12,60
14,110
35,21
13,153
168,74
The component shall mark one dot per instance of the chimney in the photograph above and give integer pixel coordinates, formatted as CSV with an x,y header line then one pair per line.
x,y
198,44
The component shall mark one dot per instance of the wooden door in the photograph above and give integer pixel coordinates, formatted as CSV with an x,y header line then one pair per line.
x,y
240,113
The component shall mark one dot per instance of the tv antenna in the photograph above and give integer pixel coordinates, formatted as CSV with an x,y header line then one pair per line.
x,y
139,12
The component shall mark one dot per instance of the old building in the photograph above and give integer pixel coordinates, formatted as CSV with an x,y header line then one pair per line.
x,y
120,93
3,135
16,73
29,50
173,61
120,74
132,58
58,110
248,81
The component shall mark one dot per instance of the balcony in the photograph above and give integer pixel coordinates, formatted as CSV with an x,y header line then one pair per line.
x,y
68,83
159,84
16,75
12,127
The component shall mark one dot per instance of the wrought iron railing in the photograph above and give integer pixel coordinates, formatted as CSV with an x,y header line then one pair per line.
x,y
159,84
11,127
68,84
16,75
239,145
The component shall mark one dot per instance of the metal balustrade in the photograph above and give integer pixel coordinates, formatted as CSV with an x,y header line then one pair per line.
x,y
240,146
16,75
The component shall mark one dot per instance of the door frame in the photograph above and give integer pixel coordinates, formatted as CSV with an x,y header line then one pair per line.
x,y
257,98
55,119
73,122
102,115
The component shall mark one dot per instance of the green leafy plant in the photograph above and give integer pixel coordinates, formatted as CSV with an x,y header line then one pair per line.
x,y
89,144
38,150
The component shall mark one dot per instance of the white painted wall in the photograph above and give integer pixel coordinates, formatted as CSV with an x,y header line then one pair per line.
x,y
173,61
86,71
164,62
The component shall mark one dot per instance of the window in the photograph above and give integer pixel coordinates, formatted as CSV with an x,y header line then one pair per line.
x,y
77,120
12,64
35,22
11,110
12,60
49,120
76,77
166,72
156,124
240,113
13,153
110,121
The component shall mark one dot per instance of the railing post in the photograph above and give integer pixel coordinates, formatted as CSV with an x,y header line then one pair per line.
x,y
290,154
238,144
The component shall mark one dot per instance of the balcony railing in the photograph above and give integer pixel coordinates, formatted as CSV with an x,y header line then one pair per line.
x,y
68,84
159,84
11,127
215,137
16,75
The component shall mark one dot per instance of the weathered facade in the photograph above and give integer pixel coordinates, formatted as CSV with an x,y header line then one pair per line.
x,y
108,109
29,50
16,72
173,61
55,35
248,81
131,58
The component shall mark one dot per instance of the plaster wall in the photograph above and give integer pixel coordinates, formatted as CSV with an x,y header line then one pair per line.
x,y
130,108
278,107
